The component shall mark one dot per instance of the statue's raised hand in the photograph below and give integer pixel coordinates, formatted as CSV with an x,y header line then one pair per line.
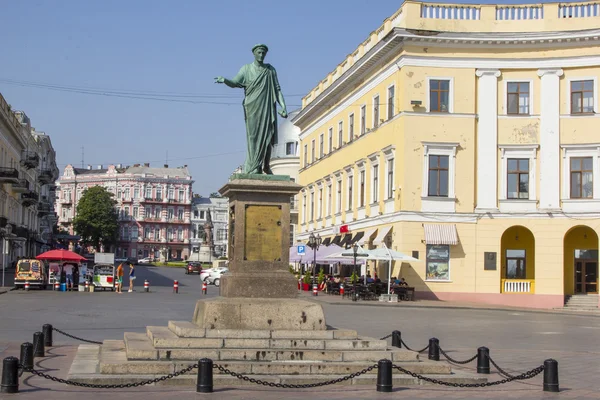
x,y
219,79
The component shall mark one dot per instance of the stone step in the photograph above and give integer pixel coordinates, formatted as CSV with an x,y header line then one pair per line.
x,y
139,347
165,338
185,329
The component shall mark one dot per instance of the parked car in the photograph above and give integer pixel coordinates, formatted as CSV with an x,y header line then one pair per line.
x,y
132,260
214,278
145,260
193,267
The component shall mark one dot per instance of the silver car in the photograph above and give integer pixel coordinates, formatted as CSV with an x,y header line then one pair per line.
x,y
213,276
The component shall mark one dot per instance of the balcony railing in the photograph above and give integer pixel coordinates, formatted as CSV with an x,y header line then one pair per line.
x,y
518,286
21,186
30,159
66,200
29,198
45,176
8,174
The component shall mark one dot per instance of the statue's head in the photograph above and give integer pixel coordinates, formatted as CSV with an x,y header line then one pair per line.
x,y
260,52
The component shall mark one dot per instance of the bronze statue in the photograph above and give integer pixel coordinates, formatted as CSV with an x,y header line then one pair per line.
x,y
261,95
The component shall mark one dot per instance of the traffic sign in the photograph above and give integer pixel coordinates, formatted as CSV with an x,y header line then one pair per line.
x,y
301,250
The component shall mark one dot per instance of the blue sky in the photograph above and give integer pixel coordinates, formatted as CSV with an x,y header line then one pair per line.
x,y
175,47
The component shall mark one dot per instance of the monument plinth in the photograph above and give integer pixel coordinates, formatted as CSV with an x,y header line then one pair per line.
x,y
259,292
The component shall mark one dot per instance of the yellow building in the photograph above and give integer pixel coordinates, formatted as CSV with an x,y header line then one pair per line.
x,y
465,135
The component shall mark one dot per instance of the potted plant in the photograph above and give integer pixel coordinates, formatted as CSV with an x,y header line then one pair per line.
x,y
354,278
321,279
306,282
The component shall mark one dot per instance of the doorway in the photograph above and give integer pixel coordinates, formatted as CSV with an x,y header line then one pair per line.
x,y
586,271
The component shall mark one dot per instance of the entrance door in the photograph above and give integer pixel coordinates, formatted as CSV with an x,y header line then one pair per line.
x,y
586,276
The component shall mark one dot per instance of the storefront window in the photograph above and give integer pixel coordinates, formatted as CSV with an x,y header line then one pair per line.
x,y
438,262
515,264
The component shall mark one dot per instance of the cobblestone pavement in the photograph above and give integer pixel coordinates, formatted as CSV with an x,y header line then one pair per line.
x,y
518,341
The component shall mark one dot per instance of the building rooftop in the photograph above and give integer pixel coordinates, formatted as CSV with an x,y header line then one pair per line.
x,y
181,172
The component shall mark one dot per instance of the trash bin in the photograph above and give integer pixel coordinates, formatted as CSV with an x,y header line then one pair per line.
x,y
81,288
92,288
63,287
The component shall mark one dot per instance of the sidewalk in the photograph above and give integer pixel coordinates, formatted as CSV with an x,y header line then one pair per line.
x,y
338,300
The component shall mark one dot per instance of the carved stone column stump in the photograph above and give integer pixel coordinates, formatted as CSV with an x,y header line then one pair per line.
x,y
259,292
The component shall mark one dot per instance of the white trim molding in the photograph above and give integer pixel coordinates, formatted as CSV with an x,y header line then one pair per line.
x,y
518,151
531,112
439,204
450,93
568,81
580,205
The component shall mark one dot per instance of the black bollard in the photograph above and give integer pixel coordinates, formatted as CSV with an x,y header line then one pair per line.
x,y
384,376
38,345
551,376
10,375
204,383
27,355
434,349
483,360
397,339
47,331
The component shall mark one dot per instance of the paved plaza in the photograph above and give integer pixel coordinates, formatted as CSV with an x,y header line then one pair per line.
x,y
519,340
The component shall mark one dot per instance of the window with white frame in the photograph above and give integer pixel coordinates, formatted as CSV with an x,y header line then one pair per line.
x,y
582,96
362,179
305,155
136,192
375,183
350,189
135,212
312,206
159,193
440,95
171,194
581,171
170,214
182,195
439,170
321,145
341,131
338,199
391,102
320,205
148,192
157,212
580,166
375,111
518,97
290,148
330,140
127,193
390,178
351,126
329,199
312,151
180,214
147,233
304,209
180,233
517,180
134,232
363,120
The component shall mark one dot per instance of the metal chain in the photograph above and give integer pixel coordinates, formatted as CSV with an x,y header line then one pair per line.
x,y
75,337
119,386
408,348
292,386
500,370
386,337
456,361
526,375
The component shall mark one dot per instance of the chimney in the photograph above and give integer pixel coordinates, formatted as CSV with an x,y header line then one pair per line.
x,y
89,167
166,165
100,166
147,165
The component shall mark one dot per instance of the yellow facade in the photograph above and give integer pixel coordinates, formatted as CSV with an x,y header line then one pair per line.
x,y
465,99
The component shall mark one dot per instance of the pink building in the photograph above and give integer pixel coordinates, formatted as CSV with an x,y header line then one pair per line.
x,y
154,206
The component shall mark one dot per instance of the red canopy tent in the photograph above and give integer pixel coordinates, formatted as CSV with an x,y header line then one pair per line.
x,y
61,255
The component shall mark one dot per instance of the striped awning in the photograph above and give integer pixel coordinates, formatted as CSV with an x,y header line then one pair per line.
x,y
441,234
383,232
367,237
326,241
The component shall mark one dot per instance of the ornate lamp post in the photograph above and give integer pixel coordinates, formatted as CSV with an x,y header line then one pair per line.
x,y
314,242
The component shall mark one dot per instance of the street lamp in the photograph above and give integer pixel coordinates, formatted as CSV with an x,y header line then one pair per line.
x,y
354,252
314,242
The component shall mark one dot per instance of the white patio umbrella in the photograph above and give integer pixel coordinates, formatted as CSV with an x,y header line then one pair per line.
x,y
386,254
349,253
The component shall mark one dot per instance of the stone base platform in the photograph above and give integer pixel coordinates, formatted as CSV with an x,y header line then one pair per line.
x,y
270,355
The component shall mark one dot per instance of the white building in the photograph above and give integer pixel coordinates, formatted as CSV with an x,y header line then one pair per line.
x,y
217,207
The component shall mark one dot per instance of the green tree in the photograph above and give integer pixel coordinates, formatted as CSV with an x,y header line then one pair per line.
x,y
96,220
215,195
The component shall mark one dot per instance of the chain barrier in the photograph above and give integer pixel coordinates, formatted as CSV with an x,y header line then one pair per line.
x,y
526,375
293,386
408,348
117,386
452,360
386,337
500,370
75,337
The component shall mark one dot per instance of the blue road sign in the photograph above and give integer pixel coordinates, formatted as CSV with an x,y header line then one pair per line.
x,y
301,250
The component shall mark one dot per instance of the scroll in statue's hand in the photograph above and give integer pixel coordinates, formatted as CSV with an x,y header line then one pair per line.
x,y
219,79
283,113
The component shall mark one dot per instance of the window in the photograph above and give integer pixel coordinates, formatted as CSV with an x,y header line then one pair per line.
x,y
517,99
290,148
127,211
362,188
515,264
156,234
292,228
330,142
312,157
438,176
195,213
181,195
582,97
390,178
321,146
148,192
375,111
180,214
312,207
517,178
338,208
127,193
305,155
341,132
375,195
363,119
136,193
350,179
391,103
351,126
159,193
136,212
304,209
582,177
170,235
170,214
329,199
134,232
157,212
320,205
147,233
171,194
438,262
119,197
222,234
439,95
148,213
202,214
180,233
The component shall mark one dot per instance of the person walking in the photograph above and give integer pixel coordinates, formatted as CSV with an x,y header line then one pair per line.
x,y
119,278
131,276
68,270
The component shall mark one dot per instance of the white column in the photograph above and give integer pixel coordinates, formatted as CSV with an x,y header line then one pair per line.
x,y
487,140
550,138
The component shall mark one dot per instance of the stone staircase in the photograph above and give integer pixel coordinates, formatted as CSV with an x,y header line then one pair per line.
x,y
292,357
582,302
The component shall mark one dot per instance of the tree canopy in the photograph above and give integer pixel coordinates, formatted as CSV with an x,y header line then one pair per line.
x,y
96,220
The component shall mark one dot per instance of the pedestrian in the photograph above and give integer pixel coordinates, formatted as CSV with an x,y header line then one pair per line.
x,y
68,270
119,278
131,276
